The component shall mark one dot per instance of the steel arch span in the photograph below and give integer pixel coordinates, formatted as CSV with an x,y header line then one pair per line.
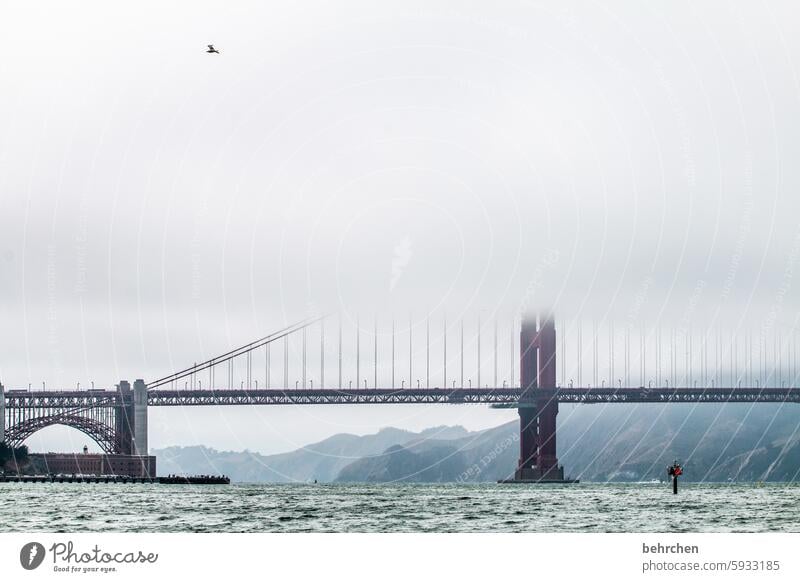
x,y
101,433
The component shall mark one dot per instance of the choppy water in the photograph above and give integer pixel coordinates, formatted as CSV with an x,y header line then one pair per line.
x,y
58,507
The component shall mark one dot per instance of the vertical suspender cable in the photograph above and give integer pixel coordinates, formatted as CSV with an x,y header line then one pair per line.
x,y
479,350
513,355
322,353
462,352
580,353
611,355
495,353
410,350
393,332
428,351
444,360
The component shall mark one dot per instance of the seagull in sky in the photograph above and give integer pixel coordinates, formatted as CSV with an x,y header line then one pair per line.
x,y
211,49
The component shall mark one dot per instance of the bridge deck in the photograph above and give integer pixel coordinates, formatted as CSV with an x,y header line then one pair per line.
x,y
497,396
464,396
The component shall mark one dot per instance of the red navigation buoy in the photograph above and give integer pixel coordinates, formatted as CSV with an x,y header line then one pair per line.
x,y
675,471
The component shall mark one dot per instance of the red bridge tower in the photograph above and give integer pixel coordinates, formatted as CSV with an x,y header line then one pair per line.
x,y
538,405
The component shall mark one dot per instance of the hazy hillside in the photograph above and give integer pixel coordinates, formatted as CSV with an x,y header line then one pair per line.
x,y
716,442
431,463
596,443
321,461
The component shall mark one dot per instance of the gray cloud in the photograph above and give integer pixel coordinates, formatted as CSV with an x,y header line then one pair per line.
x,y
159,204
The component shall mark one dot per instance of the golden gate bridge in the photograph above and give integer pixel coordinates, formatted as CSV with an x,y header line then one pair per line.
x,y
116,419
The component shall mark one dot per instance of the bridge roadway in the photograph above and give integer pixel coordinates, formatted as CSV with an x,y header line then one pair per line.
x,y
497,396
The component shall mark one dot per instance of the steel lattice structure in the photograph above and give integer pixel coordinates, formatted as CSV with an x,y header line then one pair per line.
x,y
96,414
103,433
19,405
100,414
504,396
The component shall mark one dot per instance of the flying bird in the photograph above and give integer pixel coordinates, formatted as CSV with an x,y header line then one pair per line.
x,y
211,49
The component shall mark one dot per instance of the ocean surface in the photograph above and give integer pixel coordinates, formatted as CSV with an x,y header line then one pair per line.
x,y
61,507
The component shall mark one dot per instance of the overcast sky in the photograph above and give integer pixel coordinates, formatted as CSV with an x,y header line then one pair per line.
x,y
158,205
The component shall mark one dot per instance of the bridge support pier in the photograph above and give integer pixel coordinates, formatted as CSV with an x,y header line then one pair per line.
x,y
538,406
2,414
140,418
131,423
123,419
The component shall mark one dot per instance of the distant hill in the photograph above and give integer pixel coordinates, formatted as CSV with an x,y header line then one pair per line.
x,y
321,461
621,442
716,442
412,464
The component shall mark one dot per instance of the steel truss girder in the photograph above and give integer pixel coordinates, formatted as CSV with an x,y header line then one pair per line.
x,y
463,396
61,402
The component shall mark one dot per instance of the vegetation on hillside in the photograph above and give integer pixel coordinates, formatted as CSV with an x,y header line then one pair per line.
x,y
12,456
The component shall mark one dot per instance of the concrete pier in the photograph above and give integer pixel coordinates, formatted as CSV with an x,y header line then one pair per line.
x,y
178,480
2,414
93,464
123,419
140,418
